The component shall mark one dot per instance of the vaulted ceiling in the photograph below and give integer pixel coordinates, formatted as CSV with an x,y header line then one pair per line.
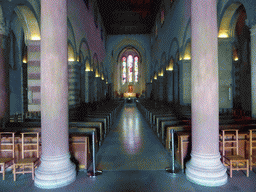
x,y
128,16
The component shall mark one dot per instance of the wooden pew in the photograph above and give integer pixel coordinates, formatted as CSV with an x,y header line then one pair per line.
x,y
105,119
159,119
79,149
165,124
99,119
97,125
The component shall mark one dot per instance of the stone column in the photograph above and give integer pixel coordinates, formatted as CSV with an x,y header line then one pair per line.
x,y
205,167
160,85
34,87
253,69
74,68
56,169
4,101
87,87
169,86
92,86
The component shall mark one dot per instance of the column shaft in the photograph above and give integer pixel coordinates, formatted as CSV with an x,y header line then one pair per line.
x,y
160,88
56,169
205,167
169,86
3,82
253,69
34,88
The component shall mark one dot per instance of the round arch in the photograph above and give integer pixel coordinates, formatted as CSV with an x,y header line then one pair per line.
x,y
71,37
28,22
163,60
95,65
174,47
71,52
84,48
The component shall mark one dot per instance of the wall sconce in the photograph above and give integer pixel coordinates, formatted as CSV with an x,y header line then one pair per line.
x,y
223,35
24,60
169,69
36,38
71,59
236,59
187,57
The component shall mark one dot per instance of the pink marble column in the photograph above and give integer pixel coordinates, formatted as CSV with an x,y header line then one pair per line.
x,y
56,169
3,82
205,167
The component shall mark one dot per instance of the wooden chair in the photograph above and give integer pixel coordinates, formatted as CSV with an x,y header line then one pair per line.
x,y
30,144
230,155
252,148
7,142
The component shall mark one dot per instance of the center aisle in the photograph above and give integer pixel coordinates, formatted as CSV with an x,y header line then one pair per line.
x,y
132,145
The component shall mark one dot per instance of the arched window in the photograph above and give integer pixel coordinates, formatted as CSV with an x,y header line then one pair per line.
x,y
130,69
136,60
124,70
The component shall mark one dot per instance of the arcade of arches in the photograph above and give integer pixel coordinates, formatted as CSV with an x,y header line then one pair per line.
x,y
57,65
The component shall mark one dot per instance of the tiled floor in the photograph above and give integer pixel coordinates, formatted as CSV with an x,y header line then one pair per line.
x,y
132,159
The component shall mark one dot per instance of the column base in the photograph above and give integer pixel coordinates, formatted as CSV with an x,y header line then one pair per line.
x,y
55,172
206,170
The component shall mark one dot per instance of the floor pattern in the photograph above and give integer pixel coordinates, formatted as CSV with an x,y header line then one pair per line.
x,y
132,159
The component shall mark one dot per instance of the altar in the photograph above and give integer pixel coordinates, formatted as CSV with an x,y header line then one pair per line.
x,y
130,97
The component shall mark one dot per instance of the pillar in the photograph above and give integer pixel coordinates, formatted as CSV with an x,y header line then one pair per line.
x,y
160,85
4,101
169,86
33,68
74,70
253,69
205,167
87,86
56,169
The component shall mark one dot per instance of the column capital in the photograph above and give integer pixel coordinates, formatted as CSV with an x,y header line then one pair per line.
x,y
251,23
34,42
253,30
4,27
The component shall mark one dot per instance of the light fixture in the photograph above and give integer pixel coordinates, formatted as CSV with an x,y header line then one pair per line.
x,y
187,57
36,38
24,60
223,35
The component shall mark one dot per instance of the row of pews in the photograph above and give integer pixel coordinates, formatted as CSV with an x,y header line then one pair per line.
x,y
87,130
164,117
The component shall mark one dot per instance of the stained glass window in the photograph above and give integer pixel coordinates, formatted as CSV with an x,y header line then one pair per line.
x,y
136,68
130,67
124,70
162,15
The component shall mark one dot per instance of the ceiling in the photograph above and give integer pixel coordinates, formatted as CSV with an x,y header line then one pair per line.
x,y
128,16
